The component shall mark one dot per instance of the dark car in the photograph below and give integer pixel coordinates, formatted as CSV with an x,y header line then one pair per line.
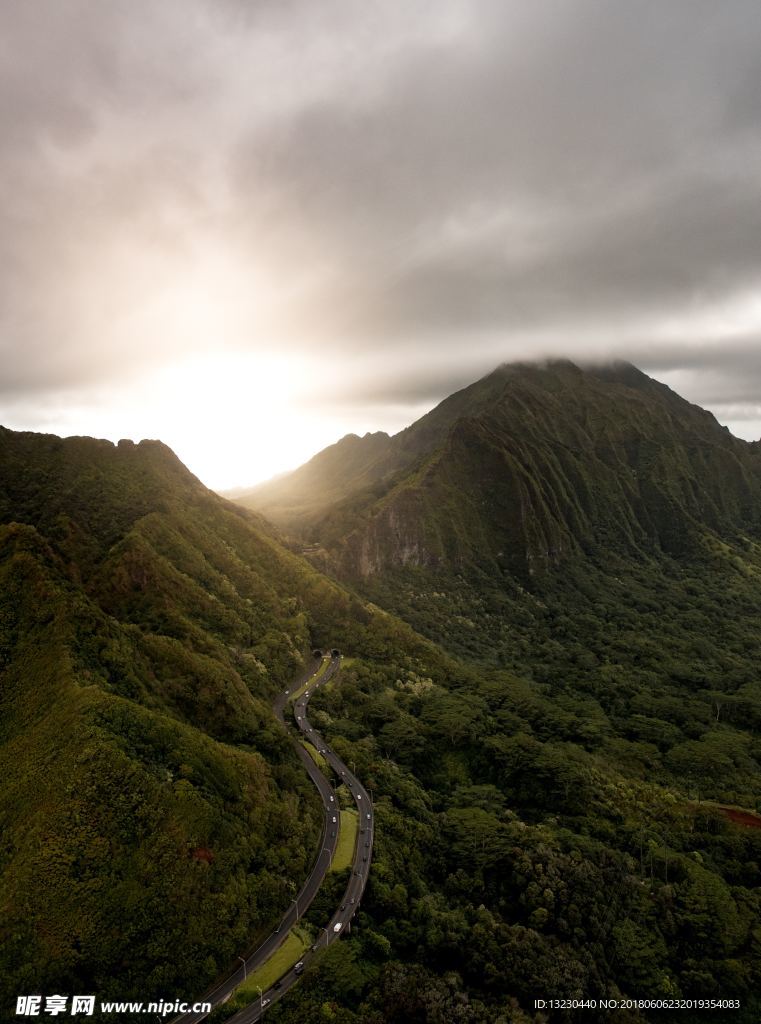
x,y
278,984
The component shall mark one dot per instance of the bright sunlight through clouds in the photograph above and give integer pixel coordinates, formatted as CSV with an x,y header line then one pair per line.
x,y
252,400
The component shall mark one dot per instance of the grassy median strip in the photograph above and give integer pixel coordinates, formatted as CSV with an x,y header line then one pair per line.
x,y
347,840
311,681
284,957
317,757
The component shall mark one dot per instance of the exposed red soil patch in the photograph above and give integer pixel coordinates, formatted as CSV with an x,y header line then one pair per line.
x,y
203,854
747,818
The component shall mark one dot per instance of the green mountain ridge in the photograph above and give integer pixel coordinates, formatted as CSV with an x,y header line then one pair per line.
x,y
534,464
294,498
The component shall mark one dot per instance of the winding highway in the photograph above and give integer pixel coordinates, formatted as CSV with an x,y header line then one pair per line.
x,y
297,698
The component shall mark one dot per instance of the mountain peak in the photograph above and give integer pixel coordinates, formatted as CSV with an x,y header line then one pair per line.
x,y
526,467
614,370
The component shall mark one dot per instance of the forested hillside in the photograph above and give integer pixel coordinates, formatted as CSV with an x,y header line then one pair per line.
x,y
153,815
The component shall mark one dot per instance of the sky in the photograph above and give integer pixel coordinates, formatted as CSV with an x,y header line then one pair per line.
x,y
250,228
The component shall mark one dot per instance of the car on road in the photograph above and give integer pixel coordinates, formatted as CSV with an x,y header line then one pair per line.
x,y
359,796
278,983
337,927
334,817
352,900
266,1002
299,967
368,816
333,834
331,799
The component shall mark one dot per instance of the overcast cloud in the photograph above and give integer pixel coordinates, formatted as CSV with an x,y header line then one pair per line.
x,y
378,201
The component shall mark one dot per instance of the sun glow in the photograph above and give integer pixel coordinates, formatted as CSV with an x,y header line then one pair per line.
x,y
234,418
193,341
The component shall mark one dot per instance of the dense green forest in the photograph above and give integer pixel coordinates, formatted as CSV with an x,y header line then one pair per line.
x,y
554,825
536,839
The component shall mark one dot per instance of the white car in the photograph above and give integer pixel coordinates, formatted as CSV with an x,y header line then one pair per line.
x,y
331,799
337,927
334,817
359,796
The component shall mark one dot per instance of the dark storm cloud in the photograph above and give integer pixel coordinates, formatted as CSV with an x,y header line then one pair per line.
x,y
606,159
428,190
